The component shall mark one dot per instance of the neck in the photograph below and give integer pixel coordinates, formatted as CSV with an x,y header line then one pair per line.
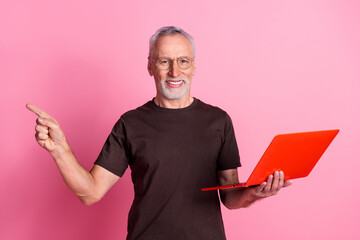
x,y
174,103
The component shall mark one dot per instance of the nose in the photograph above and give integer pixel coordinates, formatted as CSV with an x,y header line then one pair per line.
x,y
174,70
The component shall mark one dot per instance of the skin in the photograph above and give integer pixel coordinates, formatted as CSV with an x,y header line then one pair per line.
x,y
173,46
91,186
244,197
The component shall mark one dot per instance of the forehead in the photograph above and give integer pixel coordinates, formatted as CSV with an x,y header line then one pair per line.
x,y
173,46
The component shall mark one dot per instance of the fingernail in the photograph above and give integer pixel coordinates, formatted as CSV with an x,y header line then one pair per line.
x,y
41,120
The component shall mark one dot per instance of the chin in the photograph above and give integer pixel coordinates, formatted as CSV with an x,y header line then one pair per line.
x,y
177,94
174,96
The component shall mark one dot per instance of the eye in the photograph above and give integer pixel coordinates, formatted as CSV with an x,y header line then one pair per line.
x,y
163,61
184,62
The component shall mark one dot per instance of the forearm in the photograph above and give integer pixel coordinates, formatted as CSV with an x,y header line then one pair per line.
x,y
244,197
237,198
77,178
50,136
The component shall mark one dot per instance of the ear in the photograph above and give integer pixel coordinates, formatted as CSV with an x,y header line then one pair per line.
x,y
149,68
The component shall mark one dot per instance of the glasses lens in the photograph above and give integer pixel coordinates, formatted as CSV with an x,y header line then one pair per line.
x,y
164,63
184,62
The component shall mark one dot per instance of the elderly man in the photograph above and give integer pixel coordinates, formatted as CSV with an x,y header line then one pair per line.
x,y
174,144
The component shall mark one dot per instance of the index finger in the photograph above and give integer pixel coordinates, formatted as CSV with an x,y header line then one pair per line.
x,y
41,113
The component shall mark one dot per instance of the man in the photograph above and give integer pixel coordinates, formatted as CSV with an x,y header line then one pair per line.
x,y
174,145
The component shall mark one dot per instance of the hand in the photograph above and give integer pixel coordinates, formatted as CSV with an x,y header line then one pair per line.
x,y
269,188
48,132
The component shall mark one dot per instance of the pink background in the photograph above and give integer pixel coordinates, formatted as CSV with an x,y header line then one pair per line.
x,y
274,66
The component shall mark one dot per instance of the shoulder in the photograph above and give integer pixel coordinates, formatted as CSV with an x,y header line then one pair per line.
x,y
211,109
138,112
134,114
215,115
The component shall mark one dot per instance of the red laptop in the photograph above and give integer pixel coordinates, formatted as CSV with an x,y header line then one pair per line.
x,y
296,154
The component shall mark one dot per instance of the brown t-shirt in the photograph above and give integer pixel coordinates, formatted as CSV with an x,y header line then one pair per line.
x,y
172,153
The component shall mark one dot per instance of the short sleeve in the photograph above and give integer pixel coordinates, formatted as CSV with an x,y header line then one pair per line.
x,y
114,154
229,154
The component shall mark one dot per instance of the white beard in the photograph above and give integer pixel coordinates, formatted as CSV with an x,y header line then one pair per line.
x,y
175,93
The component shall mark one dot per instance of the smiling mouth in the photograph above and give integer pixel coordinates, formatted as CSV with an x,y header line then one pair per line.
x,y
174,83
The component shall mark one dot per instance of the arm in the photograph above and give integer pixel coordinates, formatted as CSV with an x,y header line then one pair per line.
x,y
243,197
91,186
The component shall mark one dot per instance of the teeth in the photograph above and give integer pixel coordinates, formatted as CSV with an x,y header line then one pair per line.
x,y
175,83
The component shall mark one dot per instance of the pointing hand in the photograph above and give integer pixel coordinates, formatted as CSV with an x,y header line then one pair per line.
x,y
48,132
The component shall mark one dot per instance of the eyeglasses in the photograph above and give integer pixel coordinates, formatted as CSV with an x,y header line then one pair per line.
x,y
183,62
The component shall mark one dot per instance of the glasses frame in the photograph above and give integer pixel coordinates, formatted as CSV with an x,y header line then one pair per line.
x,y
171,60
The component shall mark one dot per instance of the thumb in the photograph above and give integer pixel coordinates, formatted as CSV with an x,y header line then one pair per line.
x,y
287,183
47,122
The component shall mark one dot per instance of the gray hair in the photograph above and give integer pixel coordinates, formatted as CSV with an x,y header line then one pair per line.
x,y
168,31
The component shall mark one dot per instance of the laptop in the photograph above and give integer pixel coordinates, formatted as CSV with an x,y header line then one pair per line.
x,y
296,154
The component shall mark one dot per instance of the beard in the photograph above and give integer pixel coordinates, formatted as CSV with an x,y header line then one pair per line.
x,y
174,93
